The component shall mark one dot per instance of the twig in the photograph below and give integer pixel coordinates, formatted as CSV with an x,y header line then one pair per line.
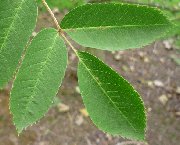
x,y
71,124
61,32
52,15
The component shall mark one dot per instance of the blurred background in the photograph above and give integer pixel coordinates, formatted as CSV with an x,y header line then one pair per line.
x,y
154,71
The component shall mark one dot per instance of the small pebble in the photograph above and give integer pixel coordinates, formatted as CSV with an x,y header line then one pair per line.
x,y
84,112
77,89
177,113
117,56
79,120
178,90
158,83
63,108
163,99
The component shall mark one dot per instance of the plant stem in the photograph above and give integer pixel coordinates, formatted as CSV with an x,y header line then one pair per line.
x,y
52,15
61,32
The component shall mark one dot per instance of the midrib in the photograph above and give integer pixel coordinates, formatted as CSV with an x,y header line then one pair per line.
x,y
106,27
108,95
40,73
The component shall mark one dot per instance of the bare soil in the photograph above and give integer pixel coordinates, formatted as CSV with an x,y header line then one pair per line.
x,y
152,72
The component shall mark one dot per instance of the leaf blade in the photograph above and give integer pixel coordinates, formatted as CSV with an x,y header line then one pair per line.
x,y
17,21
115,26
107,100
38,79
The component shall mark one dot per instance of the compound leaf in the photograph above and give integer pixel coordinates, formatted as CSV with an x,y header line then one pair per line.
x,y
17,21
115,26
112,103
38,78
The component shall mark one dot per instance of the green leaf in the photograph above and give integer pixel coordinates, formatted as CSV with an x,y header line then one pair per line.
x,y
115,26
38,79
112,103
175,30
17,22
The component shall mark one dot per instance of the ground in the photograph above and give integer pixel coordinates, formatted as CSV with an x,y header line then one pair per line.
x,y
152,72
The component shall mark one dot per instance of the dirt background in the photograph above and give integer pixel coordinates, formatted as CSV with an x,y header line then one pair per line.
x,y
151,70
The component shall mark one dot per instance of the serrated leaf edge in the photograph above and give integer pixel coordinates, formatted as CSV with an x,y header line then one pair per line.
x,y
104,27
141,101
24,48
121,4
20,131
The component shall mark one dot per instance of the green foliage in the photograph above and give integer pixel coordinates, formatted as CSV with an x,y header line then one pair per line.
x,y
113,104
38,78
175,30
17,21
64,4
167,3
115,26
163,3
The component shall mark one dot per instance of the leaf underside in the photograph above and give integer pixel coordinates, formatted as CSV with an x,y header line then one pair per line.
x,y
115,26
112,103
17,22
38,79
